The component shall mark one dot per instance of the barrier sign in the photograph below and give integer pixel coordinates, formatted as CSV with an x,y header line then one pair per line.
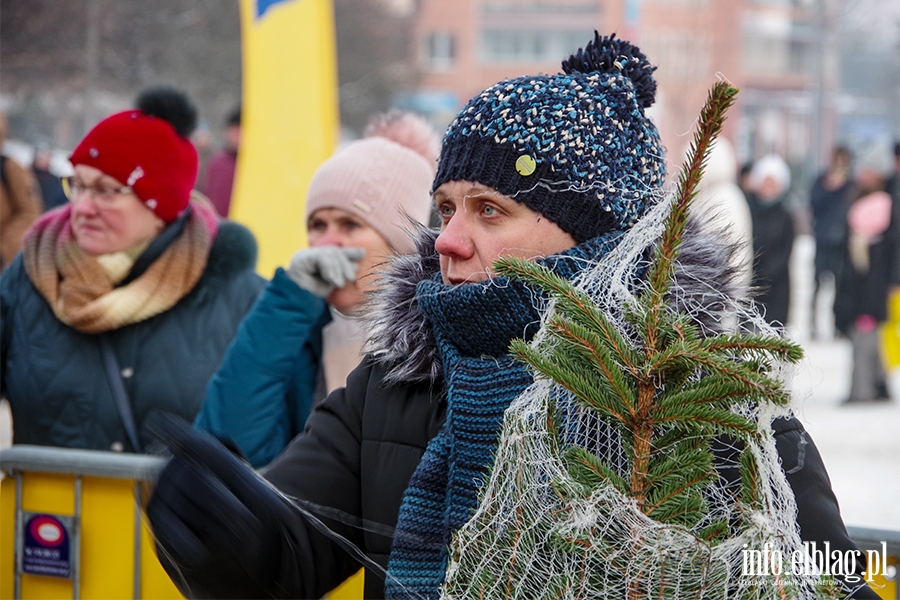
x,y
46,545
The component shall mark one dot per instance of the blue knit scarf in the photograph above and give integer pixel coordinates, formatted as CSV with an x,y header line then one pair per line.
x,y
473,326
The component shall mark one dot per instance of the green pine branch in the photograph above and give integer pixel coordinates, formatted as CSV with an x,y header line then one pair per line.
x,y
665,391
672,380
712,116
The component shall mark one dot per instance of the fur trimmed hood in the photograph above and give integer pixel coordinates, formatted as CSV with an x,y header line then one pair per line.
x,y
402,340
233,251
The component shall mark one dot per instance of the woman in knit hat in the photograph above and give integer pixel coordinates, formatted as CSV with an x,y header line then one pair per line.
x,y
123,301
552,168
773,236
304,336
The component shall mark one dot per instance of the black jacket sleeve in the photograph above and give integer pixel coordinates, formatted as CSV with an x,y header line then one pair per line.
x,y
818,513
224,532
320,471
351,467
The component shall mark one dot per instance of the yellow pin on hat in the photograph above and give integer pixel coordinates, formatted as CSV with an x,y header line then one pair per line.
x,y
525,165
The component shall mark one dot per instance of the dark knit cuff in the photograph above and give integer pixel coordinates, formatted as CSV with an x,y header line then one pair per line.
x,y
483,160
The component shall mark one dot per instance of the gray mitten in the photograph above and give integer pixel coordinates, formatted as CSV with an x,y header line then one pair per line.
x,y
320,270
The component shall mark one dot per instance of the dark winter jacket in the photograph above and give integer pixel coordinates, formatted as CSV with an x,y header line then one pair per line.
x,y
773,240
54,376
829,211
361,446
266,386
864,290
353,463
829,220
893,188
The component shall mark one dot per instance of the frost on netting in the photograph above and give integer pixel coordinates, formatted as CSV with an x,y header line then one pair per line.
x,y
607,481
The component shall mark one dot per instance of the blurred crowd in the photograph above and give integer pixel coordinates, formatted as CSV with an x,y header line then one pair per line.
x,y
853,212
852,209
371,374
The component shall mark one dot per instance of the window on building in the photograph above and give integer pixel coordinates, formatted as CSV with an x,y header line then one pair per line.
x,y
530,45
697,4
440,50
680,54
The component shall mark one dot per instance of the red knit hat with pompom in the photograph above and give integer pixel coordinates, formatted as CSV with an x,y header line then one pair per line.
x,y
148,150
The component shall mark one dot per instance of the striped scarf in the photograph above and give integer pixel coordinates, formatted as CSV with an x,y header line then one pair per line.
x,y
83,295
473,325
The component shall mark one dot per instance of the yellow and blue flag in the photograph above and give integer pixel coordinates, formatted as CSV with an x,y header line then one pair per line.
x,y
289,119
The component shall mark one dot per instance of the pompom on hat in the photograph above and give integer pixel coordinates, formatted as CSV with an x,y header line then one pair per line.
x,y
575,146
384,178
148,150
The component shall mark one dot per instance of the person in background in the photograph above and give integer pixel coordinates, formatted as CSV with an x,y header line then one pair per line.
x,y
862,294
773,236
20,202
893,188
743,178
123,301
51,188
893,183
303,337
220,171
829,201
202,140
389,467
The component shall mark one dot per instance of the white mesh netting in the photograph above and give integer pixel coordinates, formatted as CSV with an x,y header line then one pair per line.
x,y
536,534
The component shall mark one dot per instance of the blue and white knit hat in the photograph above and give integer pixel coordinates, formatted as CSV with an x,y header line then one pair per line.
x,y
575,147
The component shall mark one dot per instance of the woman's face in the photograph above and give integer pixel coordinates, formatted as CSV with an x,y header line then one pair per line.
x,y
336,227
107,216
479,225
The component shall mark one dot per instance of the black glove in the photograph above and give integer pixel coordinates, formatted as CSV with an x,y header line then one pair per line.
x,y
218,525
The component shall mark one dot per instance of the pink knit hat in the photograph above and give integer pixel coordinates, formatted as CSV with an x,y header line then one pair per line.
x,y
384,179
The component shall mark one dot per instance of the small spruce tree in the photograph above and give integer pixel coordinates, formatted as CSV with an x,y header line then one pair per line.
x,y
640,526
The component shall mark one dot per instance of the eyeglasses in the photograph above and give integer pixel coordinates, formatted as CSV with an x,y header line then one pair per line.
x,y
103,197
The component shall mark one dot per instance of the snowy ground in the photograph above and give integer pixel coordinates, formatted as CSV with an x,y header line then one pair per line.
x,y
860,444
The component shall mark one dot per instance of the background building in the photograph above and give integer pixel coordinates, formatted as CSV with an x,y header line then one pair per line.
x,y
790,58
811,72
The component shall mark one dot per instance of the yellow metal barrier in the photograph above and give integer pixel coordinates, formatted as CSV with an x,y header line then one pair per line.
x,y
71,525
880,546
890,334
352,589
97,498
92,502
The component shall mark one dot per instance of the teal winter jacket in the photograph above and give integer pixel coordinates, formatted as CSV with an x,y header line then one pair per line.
x,y
265,389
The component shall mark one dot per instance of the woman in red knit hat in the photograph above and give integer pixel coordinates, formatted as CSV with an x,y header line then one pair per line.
x,y
122,302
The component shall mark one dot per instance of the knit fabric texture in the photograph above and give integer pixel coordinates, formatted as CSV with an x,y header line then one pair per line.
x,y
145,153
384,179
79,289
575,147
473,324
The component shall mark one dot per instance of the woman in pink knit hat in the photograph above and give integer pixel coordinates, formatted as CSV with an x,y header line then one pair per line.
x,y
301,340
